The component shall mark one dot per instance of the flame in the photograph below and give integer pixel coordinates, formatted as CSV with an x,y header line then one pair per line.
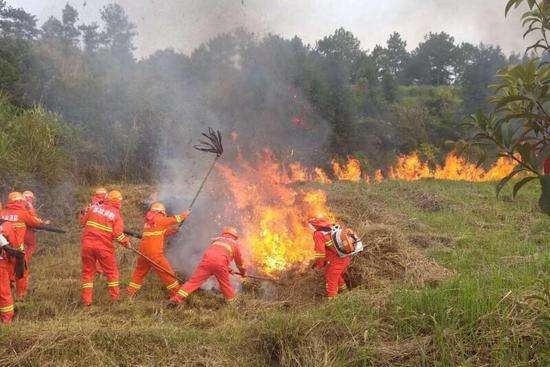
x,y
273,214
350,171
410,168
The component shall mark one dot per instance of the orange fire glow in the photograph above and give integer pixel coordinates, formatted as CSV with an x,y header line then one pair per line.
x,y
273,214
350,171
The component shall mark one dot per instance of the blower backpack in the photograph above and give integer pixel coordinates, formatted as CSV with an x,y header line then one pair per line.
x,y
345,241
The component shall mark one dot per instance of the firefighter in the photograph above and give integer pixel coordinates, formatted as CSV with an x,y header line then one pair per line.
x,y
16,211
327,257
157,227
103,224
98,198
215,262
8,238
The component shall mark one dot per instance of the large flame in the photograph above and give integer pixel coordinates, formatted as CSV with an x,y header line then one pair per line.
x,y
273,214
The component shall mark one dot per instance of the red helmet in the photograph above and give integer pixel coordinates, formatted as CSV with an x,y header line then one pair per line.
x,y
320,223
230,231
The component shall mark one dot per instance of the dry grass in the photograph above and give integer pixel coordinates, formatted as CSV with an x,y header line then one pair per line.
x,y
405,307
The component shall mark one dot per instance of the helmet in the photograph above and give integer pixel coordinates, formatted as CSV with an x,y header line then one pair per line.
x,y
28,195
100,191
15,196
230,231
319,223
114,195
158,207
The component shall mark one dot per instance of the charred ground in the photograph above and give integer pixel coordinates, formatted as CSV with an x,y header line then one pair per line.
x,y
451,276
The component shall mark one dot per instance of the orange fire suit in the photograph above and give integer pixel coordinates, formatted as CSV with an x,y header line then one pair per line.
x,y
157,227
6,271
23,219
97,199
103,224
215,262
335,266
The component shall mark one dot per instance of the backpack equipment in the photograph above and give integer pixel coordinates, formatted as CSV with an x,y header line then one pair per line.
x,y
345,241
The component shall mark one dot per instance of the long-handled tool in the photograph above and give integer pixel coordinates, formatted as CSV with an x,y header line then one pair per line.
x,y
213,145
133,234
43,228
156,265
255,277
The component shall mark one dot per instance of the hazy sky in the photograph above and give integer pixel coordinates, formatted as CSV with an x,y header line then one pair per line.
x,y
183,24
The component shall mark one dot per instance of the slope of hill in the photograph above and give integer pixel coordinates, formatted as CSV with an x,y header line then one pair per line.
x,y
451,277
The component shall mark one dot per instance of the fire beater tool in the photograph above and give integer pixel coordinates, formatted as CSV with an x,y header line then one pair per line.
x,y
43,228
213,144
156,265
255,277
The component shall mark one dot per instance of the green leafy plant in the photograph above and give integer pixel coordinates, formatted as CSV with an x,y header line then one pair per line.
x,y
519,123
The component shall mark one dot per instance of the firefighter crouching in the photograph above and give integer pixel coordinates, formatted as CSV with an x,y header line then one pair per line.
x,y
157,227
103,224
215,262
334,247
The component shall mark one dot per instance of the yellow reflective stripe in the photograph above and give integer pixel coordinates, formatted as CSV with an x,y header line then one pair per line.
x,y
7,309
153,233
329,243
21,247
112,284
226,246
87,285
319,254
121,238
183,293
134,285
19,225
172,286
179,219
99,226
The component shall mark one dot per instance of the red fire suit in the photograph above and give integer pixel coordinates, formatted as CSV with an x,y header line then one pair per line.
x,y
547,166
157,227
215,262
22,219
6,271
335,266
97,199
103,224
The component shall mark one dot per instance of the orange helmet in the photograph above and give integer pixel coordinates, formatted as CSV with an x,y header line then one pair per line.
x,y
231,231
15,196
114,195
320,223
158,207
100,191
28,195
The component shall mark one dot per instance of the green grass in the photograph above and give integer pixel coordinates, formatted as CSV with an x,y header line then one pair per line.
x,y
497,251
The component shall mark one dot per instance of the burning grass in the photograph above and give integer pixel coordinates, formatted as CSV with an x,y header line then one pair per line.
x,y
412,300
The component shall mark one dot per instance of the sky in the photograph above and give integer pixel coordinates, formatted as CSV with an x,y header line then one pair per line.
x,y
185,24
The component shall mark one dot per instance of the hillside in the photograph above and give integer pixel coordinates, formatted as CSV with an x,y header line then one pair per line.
x,y
451,277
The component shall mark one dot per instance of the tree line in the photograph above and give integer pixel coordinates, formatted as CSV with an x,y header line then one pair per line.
x,y
121,118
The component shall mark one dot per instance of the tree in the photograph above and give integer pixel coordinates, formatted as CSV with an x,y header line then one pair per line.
x,y
397,55
475,69
342,46
70,32
119,32
91,37
17,22
52,29
432,61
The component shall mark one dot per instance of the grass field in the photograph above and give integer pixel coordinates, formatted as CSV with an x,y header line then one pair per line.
x,y
452,277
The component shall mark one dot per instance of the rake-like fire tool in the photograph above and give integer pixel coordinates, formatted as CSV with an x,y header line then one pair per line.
x,y
157,265
212,145
254,277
